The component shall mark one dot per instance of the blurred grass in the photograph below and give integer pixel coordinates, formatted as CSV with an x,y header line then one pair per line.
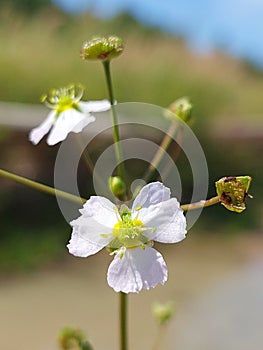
x,y
42,51
30,248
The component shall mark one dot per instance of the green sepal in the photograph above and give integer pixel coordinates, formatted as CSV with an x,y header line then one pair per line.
x,y
233,191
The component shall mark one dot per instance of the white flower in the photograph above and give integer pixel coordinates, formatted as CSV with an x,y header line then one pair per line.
x,y
129,235
68,115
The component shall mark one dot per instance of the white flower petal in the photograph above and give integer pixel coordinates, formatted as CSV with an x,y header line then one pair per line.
x,y
81,247
153,193
68,121
83,123
91,231
95,106
167,221
39,132
101,210
138,269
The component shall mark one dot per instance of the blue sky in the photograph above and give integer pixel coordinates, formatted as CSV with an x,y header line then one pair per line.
x,y
233,25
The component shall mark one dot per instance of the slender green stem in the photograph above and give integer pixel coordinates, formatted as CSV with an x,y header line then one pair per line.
x,y
159,155
116,134
106,65
121,173
40,187
174,155
161,151
123,321
201,204
85,155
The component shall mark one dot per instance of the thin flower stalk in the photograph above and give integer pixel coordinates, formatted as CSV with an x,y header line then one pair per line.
x,y
41,187
116,133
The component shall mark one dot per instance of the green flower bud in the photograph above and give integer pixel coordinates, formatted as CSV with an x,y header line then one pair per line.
x,y
233,192
117,186
102,48
182,108
71,338
162,312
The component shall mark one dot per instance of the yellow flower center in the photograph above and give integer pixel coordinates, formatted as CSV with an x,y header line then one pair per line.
x,y
64,103
128,232
64,98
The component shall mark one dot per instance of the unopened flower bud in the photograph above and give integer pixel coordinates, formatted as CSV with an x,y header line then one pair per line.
x,y
117,186
233,192
71,338
102,48
182,108
162,312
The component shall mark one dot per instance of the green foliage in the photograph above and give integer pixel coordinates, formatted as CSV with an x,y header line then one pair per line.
x,y
27,6
25,248
159,67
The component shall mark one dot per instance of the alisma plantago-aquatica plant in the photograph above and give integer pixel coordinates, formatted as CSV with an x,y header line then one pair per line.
x,y
126,230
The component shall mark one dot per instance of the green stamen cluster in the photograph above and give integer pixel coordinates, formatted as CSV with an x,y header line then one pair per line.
x,y
63,98
128,232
